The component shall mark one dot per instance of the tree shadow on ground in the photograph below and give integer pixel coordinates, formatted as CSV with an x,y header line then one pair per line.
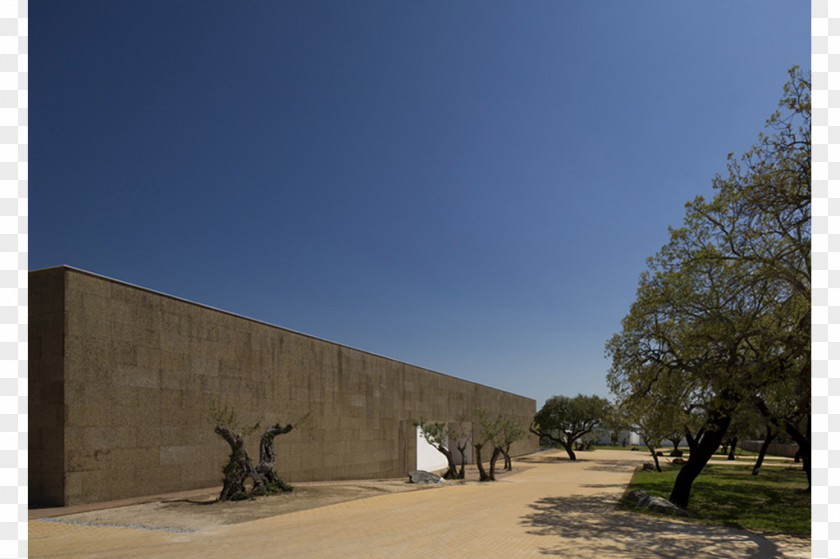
x,y
192,501
542,459
612,465
604,485
593,525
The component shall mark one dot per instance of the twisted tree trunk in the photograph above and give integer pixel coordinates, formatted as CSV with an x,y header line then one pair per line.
x,y
462,449
569,450
482,473
268,456
451,471
497,451
506,452
239,467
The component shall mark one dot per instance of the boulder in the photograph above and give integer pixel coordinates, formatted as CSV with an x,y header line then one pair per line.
x,y
421,476
645,500
648,467
678,461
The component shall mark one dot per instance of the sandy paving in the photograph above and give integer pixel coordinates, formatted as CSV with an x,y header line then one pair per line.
x,y
549,506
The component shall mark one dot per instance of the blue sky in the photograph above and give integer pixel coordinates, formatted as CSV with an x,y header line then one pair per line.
x,y
472,187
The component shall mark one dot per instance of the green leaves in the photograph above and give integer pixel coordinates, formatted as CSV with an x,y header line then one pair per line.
x,y
722,315
436,434
567,419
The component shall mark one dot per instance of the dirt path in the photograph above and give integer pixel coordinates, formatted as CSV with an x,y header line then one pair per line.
x,y
548,506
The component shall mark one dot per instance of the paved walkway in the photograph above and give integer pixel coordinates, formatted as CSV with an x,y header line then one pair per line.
x,y
551,507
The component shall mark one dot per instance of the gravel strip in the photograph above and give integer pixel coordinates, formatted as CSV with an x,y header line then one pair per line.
x,y
135,526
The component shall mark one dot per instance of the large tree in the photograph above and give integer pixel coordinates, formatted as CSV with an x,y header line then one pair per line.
x,y
762,215
565,420
724,307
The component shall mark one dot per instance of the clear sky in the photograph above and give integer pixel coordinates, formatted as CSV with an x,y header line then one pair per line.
x,y
467,186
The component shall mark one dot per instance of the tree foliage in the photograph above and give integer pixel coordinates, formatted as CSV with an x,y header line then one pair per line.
x,y
510,431
500,432
721,318
565,420
615,424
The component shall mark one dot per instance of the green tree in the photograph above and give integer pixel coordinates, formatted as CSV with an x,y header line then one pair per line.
x,y
724,306
462,441
487,432
615,423
762,215
656,417
565,420
510,431
500,432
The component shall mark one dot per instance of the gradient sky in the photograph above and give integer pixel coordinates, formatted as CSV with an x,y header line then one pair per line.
x,y
467,186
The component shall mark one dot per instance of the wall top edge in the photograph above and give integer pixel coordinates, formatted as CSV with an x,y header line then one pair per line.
x,y
72,269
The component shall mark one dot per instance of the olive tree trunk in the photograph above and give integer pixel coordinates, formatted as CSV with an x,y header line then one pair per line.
x,y
462,448
268,456
497,451
482,473
568,445
240,467
452,471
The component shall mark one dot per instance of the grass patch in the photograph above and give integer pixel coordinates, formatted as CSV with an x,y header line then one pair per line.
x,y
776,500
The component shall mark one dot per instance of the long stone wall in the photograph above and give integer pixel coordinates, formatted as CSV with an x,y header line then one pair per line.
x,y
122,379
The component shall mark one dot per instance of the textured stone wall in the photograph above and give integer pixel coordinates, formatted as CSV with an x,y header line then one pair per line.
x,y
775,449
140,371
46,388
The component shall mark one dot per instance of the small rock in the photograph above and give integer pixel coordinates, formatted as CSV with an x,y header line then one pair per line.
x,y
648,467
421,476
657,504
677,461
